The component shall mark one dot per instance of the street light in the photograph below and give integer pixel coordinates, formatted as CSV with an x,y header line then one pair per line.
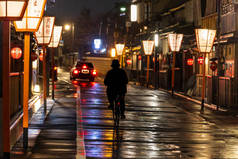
x,y
120,48
70,27
43,37
54,43
29,23
67,27
205,39
9,10
148,46
175,41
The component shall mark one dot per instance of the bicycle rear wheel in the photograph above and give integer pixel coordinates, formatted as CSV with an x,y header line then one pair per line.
x,y
116,113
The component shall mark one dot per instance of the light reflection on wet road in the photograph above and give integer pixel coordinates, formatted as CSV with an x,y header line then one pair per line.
x,y
154,128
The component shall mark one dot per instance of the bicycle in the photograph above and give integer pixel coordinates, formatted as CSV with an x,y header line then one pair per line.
x,y
116,111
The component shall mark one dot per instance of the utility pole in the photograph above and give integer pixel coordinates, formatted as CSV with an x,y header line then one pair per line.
x,y
219,52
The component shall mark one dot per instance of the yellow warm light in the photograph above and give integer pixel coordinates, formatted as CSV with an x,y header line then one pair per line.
x,y
12,9
134,13
205,39
120,48
175,41
37,88
148,46
32,17
113,52
56,37
45,31
67,27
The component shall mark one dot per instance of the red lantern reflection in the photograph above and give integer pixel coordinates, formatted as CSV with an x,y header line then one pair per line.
x,y
16,52
190,62
200,60
41,57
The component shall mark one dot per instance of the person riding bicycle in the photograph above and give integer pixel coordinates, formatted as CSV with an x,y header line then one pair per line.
x,y
116,81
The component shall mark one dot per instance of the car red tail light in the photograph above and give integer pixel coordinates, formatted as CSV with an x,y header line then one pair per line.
x,y
75,71
84,66
94,72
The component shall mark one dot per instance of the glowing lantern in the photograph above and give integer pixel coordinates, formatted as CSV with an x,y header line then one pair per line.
x,y
32,17
16,52
45,31
200,60
120,48
12,9
129,61
113,52
139,57
189,62
148,46
175,41
134,13
54,43
205,39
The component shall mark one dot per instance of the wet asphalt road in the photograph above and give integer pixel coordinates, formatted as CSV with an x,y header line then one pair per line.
x,y
156,126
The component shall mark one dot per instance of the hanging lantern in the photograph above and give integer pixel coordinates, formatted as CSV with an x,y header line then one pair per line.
x,y
129,61
200,60
213,66
139,57
41,57
190,62
16,52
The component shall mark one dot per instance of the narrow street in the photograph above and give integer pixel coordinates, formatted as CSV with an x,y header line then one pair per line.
x,y
156,126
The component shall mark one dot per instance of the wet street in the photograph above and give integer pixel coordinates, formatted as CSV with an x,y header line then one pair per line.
x,y
156,126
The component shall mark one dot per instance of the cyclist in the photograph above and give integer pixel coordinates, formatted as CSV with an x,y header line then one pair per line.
x,y
116,81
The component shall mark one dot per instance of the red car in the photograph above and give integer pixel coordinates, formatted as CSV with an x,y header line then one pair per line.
x,y
83,70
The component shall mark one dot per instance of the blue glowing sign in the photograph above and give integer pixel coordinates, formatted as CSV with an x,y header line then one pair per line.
x,y
97,43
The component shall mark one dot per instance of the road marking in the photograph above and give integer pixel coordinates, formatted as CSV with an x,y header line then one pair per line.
x,y
81,154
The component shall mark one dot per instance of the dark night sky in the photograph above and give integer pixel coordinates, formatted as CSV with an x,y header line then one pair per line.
x,y
71,8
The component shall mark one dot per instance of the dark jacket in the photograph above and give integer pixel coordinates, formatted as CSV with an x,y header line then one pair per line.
x,y
116,80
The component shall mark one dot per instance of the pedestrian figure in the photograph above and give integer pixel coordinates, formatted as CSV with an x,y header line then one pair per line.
x,y
116,81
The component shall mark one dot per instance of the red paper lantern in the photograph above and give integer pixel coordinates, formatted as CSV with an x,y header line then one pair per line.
x,y
16,52
213,66
139,57
190,62
200,60
34,56
129,61
41,57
